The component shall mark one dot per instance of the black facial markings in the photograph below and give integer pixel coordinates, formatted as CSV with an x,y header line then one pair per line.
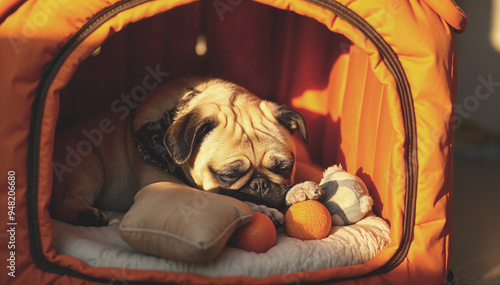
x,y
282,167
149,143
187,132
292,121
149,139
230,173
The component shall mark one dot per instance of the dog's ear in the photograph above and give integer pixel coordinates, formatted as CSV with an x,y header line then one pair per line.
x,y
293,121
186,133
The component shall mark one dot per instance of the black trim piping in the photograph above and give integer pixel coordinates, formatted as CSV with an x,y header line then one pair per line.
x,y
11,11
46,79
388,55
411,160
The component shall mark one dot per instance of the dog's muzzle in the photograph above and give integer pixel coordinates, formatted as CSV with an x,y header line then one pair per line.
x,y
259,190
261,185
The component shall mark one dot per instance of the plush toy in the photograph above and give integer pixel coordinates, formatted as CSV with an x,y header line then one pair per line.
x,y
345,196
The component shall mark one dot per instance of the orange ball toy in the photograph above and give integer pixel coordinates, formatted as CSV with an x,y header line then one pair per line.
x,y
258,235
308,220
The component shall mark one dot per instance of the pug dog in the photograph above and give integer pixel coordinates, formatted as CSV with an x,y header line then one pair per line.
x,y
210,134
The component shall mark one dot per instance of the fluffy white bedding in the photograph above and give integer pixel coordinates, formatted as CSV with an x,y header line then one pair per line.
x,y
348,245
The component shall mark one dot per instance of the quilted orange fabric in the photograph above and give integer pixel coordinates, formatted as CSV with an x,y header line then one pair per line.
x,y
375,80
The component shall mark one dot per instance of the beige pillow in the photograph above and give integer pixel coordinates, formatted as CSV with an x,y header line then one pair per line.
x,y
178,222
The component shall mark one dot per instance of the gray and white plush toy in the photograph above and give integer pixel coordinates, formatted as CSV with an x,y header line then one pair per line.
x,y
345,195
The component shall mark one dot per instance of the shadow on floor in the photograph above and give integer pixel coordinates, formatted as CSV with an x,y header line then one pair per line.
x,y
476,221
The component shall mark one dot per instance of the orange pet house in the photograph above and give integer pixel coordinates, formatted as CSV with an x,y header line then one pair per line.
x,y
375,81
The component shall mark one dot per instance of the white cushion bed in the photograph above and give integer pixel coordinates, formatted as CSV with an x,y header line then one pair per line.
x,y
347,245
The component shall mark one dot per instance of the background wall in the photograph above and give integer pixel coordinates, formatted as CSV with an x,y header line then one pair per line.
x,y
478,100
479,63
476,232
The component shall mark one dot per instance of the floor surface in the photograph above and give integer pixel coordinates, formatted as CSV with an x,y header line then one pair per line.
x,y
476,222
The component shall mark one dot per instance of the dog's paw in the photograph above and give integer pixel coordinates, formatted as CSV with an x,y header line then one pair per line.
x,y
276,216
92,217
303,191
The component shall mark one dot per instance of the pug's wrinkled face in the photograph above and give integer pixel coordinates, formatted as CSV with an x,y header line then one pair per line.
x,y
254,167
230,142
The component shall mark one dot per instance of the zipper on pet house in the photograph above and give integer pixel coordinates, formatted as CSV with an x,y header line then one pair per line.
x,y
392,63
388,55
46,79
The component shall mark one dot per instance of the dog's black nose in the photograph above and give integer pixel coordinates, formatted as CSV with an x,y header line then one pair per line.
x,y
260,184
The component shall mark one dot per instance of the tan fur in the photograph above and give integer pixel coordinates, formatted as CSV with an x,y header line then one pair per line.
x,y
247,131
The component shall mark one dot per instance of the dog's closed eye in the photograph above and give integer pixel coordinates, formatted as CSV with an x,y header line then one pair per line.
x,y
282,167
229,174
227,179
